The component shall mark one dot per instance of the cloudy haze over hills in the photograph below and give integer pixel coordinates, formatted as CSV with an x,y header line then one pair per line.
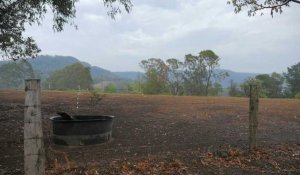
x,y
173,28
45,65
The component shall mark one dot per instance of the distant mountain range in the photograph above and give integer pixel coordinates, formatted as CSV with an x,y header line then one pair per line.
x,y
237,77
44,65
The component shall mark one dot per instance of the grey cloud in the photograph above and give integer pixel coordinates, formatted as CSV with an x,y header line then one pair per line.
x,y
173,28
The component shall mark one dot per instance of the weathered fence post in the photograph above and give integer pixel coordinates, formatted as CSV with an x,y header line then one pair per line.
x,y
253,110
34,153
77,99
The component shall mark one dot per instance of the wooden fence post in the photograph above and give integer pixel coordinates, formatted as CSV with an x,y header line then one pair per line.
x,y
34,153
253,110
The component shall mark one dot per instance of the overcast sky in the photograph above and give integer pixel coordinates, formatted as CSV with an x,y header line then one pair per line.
x,y
173,28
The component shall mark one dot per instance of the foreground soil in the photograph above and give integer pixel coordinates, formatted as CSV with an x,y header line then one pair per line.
x,y
161,135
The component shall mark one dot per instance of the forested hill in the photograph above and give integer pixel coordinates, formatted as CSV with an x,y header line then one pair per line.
x,y
45,65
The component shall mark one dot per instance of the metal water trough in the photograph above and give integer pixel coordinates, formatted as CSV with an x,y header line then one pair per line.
x,y
82,129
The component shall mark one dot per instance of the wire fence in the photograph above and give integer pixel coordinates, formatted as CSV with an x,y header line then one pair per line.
x,y
279,123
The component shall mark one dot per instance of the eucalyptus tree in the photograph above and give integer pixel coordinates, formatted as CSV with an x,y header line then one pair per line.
x,y
245,86
156,75
293,78
200,70
175,76
211,62
12,74
272,84
70,77
194,75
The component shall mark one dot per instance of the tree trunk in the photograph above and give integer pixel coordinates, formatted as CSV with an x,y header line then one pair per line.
x,y
208,81
34,154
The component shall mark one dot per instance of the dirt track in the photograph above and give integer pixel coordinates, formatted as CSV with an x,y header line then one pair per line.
x,y
154,127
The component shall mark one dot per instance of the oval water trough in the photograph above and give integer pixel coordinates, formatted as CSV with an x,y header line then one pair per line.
x,y
82,129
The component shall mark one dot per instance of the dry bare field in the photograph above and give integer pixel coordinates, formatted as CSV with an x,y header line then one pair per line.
x,y
161,135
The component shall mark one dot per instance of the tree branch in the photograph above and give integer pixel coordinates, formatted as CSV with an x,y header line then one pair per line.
x,y
284,3
296,1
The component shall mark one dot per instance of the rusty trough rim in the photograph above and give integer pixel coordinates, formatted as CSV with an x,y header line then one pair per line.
x,y
105,118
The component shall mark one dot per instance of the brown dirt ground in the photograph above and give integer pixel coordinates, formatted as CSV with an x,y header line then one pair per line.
x,y
194,131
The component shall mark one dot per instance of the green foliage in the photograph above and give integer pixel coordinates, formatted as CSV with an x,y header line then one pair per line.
x,y
255,6
110,88
153,85
12,75
175,76
272,85
71,77
193,77
293,79
215,90
268,85
156,76
297,96
135,87
211,61
16,14
199,71
245,86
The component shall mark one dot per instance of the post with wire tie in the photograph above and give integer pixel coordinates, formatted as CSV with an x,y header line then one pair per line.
x,y
77,99
34,153
253,111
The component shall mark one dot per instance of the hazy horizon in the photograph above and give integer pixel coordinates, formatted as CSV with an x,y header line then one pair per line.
x,y
142,69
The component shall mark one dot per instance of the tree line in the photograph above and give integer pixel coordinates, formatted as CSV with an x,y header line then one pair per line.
x,y
12,74
73,77
195,76
275,85
200,75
